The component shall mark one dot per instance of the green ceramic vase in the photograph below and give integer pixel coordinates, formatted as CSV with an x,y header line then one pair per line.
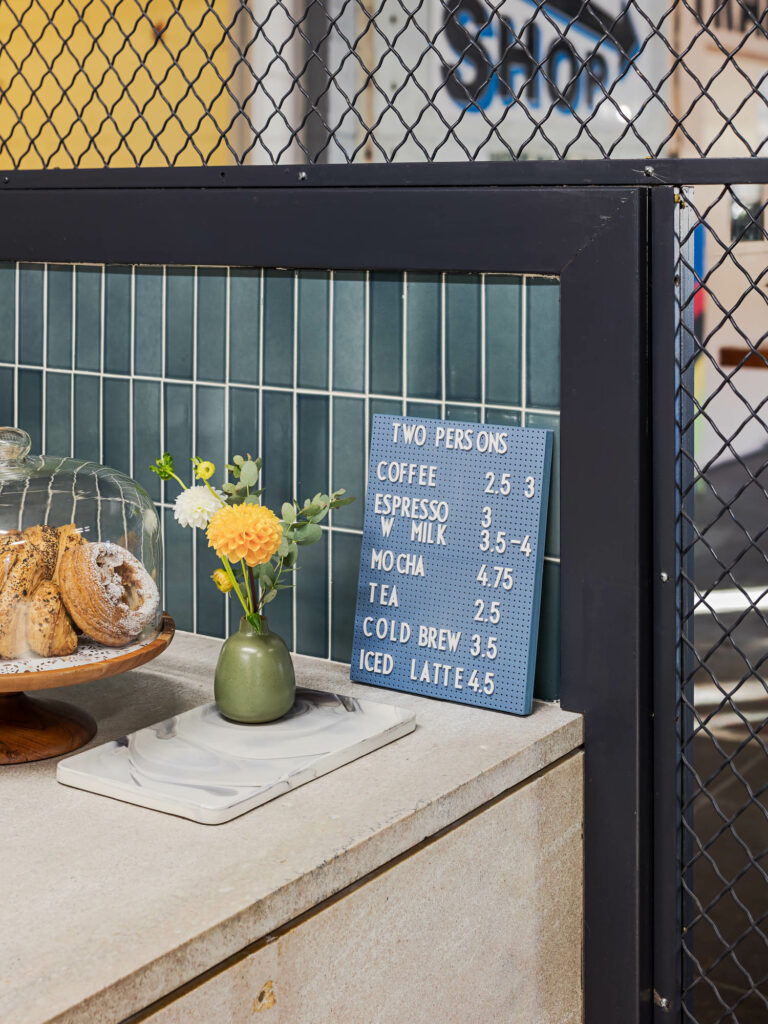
x,y
254,676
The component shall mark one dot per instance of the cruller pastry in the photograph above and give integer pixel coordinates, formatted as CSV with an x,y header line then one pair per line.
x,y
108,592
49,628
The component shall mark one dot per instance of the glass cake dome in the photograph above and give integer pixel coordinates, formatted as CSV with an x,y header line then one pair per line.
x,y
80,558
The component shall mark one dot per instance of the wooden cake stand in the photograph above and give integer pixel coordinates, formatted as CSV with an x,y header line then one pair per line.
x,y
33,729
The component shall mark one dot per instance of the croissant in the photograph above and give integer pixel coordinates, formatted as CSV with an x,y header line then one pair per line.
x,y
69,537
46,539
30,569
9,549
108,592
49,628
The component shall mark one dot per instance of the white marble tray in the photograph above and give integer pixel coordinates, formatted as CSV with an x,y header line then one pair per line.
x,y
201,766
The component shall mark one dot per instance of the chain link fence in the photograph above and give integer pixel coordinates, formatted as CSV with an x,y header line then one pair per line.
x,y
86,83
723,712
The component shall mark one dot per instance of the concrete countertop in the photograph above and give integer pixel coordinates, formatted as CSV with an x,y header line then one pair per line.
x,y
106,907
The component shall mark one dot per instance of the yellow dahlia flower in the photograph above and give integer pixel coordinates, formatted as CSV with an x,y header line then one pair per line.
x,y
250,532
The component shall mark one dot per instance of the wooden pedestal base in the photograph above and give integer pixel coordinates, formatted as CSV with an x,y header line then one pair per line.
x,y
32,729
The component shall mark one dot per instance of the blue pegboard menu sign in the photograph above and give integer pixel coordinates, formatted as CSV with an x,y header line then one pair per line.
x,y
449,591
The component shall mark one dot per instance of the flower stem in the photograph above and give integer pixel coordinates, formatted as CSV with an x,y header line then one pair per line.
x,y
235,584
208,485
254,598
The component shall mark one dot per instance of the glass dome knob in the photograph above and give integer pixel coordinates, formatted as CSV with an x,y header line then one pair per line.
x,y
14,445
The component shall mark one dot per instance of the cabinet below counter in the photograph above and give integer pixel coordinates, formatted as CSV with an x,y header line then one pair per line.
x,y
438,879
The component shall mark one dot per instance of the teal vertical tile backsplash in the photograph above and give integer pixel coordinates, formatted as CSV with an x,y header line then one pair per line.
x,y
425,319
243,421
278,327
312,449
503,339
244,325
147,433
180,322
88,285
211,324
290,365
463,343
349,326
117,320
7,312
59,317
349,457
57,412
543,342
31,306
116,415
312,329
210,425
386,346
30,384
86,413
149,284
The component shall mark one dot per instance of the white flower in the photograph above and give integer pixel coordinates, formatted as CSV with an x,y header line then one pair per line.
x,y
196,505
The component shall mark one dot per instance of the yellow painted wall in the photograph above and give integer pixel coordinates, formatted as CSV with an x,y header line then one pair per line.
x,y
92,82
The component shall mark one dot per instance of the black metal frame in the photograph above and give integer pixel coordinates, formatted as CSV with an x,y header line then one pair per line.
x,y
596,240
537,173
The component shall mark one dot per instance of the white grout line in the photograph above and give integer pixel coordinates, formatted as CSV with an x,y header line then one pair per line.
x,y
295,433
442,346
483,348
194,438
404,376
524,353
329,647
132,380
227,455
72,363
103,302
16,349
367,364
44,410
260,385
163,439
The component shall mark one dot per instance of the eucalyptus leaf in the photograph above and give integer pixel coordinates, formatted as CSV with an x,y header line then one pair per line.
x,y
270,596
289,512
251,499
249,474
340,502
238,460
310,510
307,533
283,549
266,575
